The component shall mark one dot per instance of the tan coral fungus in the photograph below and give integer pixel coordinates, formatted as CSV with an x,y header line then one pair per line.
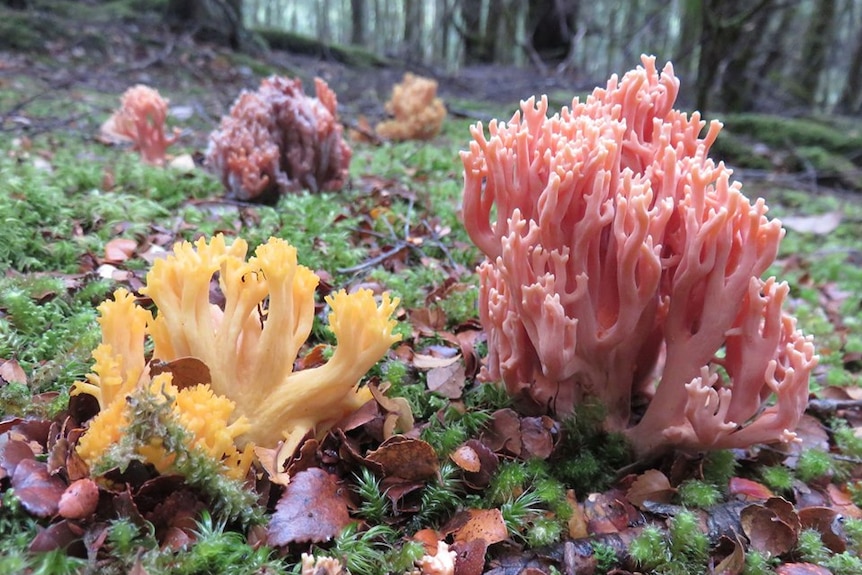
x,y
418,112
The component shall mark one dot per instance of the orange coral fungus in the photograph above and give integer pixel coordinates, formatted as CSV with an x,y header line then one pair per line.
x,y
418,112
141,120
278,140
623,264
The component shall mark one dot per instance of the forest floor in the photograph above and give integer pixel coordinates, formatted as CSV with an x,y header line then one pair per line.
x,y
510,493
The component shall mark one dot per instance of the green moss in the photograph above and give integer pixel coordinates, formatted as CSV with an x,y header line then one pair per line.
x,y
814,464
587,456
698,494
781,132
683,550
777,477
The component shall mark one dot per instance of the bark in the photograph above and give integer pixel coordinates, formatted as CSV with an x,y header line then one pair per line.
x,y
723,24
471,32
552,25
413,29
358,15
850,101
217,21
815,48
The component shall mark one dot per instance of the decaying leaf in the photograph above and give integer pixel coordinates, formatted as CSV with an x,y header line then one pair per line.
x,y
652,485
79,500
38,491
313,509
406,458
484,524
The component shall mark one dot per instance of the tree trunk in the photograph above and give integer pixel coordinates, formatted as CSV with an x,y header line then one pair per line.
x,y
850,101
358,15
737,91
217,21
413,30
815,48
724,23
552,26
471,32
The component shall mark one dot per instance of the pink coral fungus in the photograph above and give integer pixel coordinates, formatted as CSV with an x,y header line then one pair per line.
x,y
278,140
623,264
141,120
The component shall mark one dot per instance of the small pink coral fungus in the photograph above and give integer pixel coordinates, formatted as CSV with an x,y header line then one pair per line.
x,y
279,140
141,120
624,264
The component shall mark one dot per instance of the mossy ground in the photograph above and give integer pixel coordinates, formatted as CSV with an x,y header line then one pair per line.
x,y
64,197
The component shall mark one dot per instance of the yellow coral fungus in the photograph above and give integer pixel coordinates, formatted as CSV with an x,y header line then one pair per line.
x,y
120,361
250,346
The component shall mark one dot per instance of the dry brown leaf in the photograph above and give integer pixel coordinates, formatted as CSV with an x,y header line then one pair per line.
x,y
38,491
577,523
749,490
313,509
447,381
407,458
186,371
466,458
652,485
119,250
484,524
424,361
12,372
79,500
766,531
801,569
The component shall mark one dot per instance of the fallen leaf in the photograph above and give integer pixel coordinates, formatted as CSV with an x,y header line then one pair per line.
x,y
766,531
79,500
537,437
407,458
313,509
749,489
652,485
447,381
828,522
820,224
38,491
12,372
119,250
484,524
801,569
466,458
423,361
733,563
185,371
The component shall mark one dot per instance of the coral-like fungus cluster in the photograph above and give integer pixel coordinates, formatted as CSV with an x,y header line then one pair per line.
x,y
252,395
141,121
278,140
623,264
418,112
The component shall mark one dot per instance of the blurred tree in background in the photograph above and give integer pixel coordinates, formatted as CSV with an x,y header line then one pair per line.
x,y
738,55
